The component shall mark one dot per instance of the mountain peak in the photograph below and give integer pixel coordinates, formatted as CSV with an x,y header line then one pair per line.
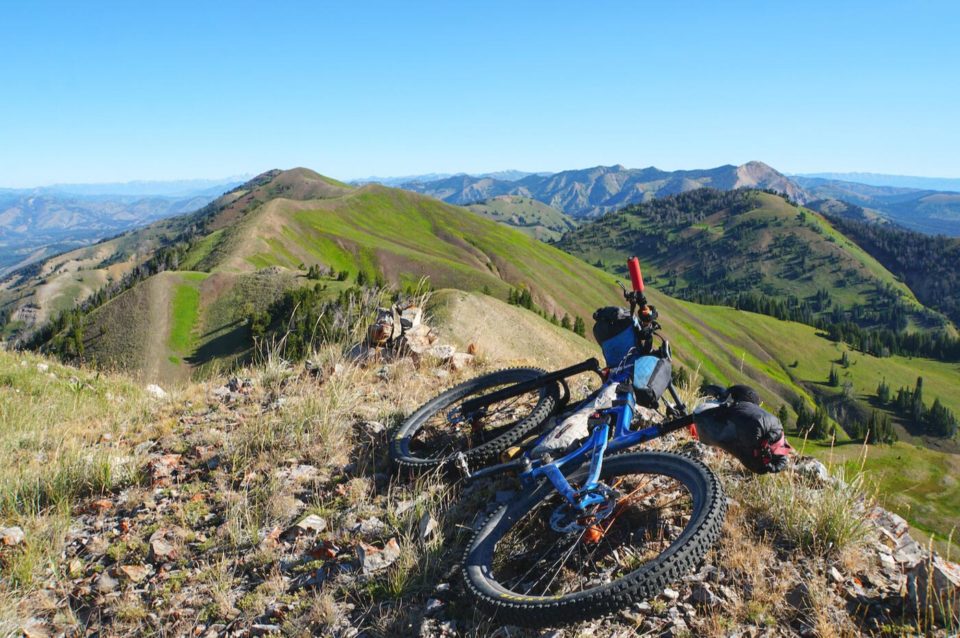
x,y
758,166
301,183
755,174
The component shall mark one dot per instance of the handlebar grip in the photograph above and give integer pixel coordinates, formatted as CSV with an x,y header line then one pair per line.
x,y
636,278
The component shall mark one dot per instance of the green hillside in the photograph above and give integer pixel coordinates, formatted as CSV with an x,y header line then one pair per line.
x,y
718,246
534,218
247,251
399,237
172,323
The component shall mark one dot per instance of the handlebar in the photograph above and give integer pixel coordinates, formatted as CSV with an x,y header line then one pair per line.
x,y
636,277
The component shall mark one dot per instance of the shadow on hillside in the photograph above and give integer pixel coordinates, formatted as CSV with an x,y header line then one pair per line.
x,y
232,343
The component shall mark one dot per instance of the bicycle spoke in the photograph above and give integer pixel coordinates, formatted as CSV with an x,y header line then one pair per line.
x,y
643,523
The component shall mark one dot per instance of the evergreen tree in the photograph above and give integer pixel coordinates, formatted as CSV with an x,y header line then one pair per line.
x,y
526,299
565,322
579,327
834,379
820,427
883,393
783,414
916,401
940,421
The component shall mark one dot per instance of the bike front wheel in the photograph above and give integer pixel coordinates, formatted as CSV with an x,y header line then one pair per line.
x,y
433,434
536,561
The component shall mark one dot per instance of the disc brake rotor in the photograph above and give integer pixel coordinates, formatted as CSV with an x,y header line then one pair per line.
x,y
567,519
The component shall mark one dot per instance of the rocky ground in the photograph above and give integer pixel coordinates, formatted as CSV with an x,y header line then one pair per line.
x,y
265,505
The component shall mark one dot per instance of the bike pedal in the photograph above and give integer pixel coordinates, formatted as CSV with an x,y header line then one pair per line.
x,y
510,453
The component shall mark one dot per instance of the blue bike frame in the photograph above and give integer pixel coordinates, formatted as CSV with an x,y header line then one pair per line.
x,y
599,442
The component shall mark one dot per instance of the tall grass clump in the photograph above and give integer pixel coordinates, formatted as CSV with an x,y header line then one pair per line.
x,y
822,517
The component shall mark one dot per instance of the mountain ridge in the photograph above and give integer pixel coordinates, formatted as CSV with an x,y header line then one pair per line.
x,y
594,191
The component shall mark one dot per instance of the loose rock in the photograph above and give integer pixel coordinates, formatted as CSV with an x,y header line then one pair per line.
x,y
428,526
373,559
106,583
312,524
155,391
11,536
133,573
934,586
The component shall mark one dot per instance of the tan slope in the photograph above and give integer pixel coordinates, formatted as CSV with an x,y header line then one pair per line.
x,y
509,335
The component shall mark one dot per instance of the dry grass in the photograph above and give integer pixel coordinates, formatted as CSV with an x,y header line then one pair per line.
x,y
822,518
294,418
66,434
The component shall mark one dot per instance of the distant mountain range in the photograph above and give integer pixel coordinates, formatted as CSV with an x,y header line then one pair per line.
x,y
928,211
39,222
881,179
140,188
507,175
592,192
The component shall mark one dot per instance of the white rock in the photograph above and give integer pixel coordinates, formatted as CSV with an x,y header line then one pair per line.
x,y
412,314
671,594
373,559
460,360
403,506
311,524
441,352
156,391
813,469
11,536
371,526
428,526
42,367
433,606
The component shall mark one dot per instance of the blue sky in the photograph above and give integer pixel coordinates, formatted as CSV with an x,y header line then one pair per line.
x,y
94,92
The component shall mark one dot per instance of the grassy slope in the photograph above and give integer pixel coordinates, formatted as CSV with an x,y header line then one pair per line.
x,y
833,262
534,218
404,235
173,322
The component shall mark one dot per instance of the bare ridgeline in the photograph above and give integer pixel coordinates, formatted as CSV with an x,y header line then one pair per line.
x,y
267,504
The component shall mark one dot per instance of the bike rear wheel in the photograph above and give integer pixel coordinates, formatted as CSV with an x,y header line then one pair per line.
x,y
431,435
534,563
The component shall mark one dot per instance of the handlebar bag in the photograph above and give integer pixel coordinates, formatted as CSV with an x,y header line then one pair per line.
x,y
746,431
616,332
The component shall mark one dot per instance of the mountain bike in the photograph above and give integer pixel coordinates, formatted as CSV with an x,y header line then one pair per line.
x,y
591,530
